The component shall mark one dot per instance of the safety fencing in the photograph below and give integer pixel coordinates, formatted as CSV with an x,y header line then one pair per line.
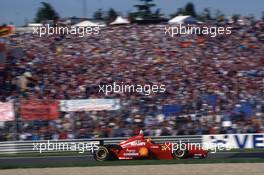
x,y
18,147
231,141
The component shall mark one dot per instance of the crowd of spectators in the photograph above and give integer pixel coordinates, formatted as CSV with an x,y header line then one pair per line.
x,y
230,68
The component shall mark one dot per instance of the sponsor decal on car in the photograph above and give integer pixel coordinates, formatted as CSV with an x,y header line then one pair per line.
x,y
138,143
131,150
131,154
134,143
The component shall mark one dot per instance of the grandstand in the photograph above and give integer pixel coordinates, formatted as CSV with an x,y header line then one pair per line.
x,y
213,85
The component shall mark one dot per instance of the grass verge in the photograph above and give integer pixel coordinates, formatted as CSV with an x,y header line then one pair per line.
x,y
44,154
133,162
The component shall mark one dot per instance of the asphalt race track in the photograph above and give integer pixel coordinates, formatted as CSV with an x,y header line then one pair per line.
x,y
61,160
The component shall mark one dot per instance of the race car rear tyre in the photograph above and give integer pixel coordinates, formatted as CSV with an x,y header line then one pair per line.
x,y
102,154
180,153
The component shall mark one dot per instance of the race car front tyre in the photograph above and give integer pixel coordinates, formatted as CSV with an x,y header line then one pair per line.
x,y
180,153
102,154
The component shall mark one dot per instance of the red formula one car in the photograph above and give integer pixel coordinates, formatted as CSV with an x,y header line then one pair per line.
x,y
138,147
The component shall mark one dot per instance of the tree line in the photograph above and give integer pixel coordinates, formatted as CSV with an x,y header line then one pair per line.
x,y
144,12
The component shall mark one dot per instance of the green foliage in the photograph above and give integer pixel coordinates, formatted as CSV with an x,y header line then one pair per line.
x,y
207,14
235,17
219,15
111,15
180,11
108,16
190,10
46,12
144,11
98,14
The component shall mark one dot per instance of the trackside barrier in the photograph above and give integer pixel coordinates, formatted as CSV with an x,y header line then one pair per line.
x,y
17,147
235,141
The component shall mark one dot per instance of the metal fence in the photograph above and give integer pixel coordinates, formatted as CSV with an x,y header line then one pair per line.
x,y
17,147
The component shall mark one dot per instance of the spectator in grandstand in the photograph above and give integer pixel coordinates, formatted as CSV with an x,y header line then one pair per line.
x,y
209,79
